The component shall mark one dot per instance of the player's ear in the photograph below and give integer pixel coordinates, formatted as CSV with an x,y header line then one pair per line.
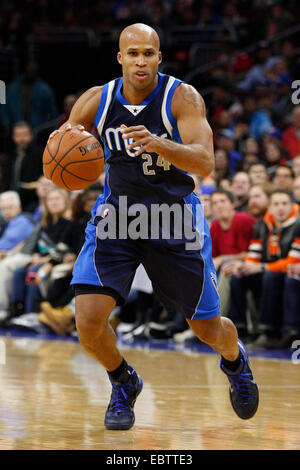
x,y
119,57
159,57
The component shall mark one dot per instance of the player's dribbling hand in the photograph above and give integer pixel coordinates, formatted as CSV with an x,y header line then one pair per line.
x,y
67,128
142,138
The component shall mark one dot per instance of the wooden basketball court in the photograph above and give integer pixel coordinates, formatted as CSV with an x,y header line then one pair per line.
x,y
53,396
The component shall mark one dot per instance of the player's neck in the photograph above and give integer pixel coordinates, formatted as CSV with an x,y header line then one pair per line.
x,y
134,96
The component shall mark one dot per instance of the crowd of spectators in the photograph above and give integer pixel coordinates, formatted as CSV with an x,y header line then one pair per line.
x,y
251,199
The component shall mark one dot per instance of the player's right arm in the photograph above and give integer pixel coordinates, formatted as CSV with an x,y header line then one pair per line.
x,y
83,112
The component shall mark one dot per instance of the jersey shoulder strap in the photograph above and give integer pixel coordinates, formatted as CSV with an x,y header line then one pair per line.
x,y
166,111
105,100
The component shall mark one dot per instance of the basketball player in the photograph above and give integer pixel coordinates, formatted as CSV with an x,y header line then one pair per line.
x,y
154,131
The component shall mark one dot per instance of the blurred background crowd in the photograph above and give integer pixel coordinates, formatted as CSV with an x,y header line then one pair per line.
x,y
243,57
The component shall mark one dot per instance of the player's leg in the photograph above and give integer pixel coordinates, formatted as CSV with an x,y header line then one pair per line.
x,y
187,282
220,333
99,340
114,263
94,331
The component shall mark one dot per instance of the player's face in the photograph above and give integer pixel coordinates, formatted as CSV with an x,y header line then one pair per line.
x,y
140,59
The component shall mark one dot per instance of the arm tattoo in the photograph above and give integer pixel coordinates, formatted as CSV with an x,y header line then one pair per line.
x,y
191,97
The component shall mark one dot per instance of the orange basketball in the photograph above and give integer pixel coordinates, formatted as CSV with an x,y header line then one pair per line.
x,y
73,159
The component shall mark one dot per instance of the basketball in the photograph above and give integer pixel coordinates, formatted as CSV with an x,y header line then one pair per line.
x,y
73,159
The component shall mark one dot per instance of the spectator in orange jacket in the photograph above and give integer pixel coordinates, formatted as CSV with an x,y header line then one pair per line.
x,y
275,245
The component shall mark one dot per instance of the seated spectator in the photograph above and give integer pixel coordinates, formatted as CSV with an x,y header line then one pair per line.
x,y
221,99
225,184
24,166
240,189
282,105
241,127
274,155
69,102
260,121
291,305
231,232
197,181
272,135
19,225
29,99
291,136
251,145
255,76
276,72
221,170
278,20
259,198
43,187
257,173
226,140
258,203
248,160
283,178
45,252
296,190
274,246
59,292
204,193
296,165
223,121
288,52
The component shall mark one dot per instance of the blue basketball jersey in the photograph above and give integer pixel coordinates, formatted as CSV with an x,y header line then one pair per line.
x,y
183,277
146,178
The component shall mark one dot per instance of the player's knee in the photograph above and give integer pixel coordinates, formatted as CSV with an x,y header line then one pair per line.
x,y
89,325
206,330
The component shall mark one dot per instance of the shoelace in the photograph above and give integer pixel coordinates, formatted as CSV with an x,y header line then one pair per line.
x,y
119,398
243,385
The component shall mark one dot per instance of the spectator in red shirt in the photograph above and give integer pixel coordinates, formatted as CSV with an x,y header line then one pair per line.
x,y
291,136
231,233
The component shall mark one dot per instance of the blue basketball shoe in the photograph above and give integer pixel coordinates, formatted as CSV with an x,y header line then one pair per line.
x,y
243,389
119,414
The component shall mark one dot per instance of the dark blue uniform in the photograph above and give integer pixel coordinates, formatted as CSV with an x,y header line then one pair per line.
x,y
184,279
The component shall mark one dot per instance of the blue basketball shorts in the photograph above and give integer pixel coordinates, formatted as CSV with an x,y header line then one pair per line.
x,y
184,280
